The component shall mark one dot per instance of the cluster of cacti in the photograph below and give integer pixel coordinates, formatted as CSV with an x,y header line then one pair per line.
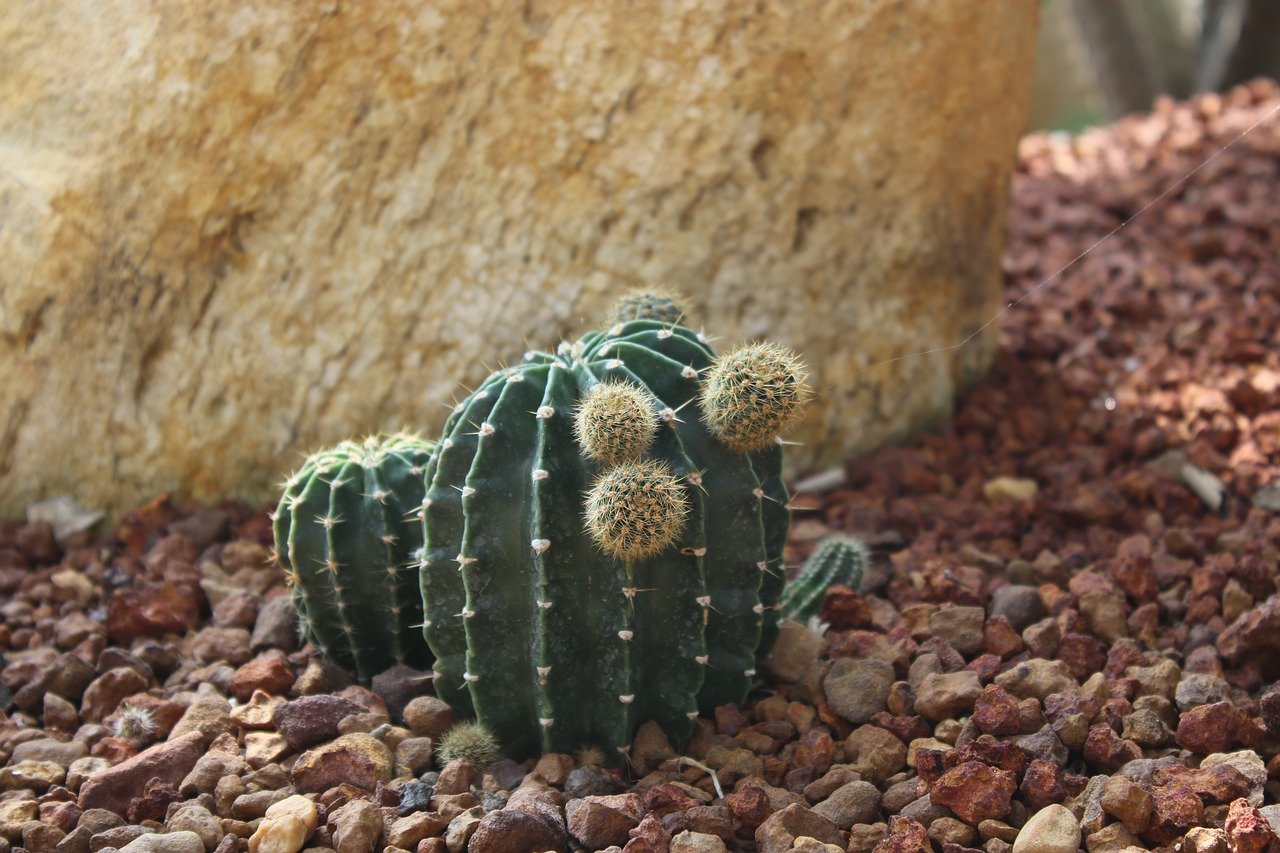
x,y
348,531
601,534
837,559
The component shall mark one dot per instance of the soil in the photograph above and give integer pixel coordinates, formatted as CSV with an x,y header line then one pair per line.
x,y
1070,637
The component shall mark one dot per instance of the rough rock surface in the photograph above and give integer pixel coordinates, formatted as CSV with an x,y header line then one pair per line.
x,y
235,231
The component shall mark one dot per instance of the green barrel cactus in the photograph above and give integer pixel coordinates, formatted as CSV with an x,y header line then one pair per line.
x,y
348,532
603,532
837,559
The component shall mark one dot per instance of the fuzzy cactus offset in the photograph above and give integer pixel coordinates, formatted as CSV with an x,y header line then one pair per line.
x,y
349,534
837,559
594,556
662,306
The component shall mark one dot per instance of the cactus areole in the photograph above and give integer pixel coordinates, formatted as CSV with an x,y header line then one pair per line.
x,y
348,533
594,556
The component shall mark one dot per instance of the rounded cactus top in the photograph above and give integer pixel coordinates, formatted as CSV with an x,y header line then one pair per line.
x,y
636,510
753,394
616,422
659,304
368,452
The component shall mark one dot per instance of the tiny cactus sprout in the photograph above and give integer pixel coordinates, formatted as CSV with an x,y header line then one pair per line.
x,y
636,510
136,724
471,741
348,533
753,395
590,756
615,422
593,557
837,559
657,304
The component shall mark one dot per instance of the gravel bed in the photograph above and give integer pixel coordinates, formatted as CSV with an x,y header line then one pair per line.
x,y
1070,637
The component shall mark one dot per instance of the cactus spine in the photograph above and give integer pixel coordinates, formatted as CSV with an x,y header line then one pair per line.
x,y
837,559
348,533
574,590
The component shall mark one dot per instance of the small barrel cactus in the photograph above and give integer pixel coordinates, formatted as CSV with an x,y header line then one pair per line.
x,y
603,541
349,534
837,559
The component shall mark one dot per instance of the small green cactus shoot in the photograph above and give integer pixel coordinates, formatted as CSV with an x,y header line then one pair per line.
x,y
837,559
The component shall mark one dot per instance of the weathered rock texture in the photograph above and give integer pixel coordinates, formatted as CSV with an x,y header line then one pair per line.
x,y
231,232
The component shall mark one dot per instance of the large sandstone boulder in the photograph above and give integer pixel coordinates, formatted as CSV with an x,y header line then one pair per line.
x,y
232,231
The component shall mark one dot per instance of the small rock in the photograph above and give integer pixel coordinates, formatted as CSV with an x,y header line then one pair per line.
x,y
793,652
457,777
554,767
1009,488
1037,678
169,842
511,831
213,644
855,802
104,695
700,842
944,696
355,759
269,672
114,787
975,791
413,756
1019,603
1203,839
856,689
193,817
782,828
427,716
208,716
1248,763
1215,727
1247,830
750,806
948,830
960,627
276,626
1112,838
151,610
47,749
1053,829
905,836
356,826
407,831
595,824
263,748
874,753
1128,803
590,781
312,720
649,748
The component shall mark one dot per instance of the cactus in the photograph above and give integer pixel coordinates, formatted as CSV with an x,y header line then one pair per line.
x,y
349,535
135,723
837,559
659,305
594,555
471,741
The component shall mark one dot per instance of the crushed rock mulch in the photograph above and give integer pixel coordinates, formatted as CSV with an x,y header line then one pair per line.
x,y
1070,638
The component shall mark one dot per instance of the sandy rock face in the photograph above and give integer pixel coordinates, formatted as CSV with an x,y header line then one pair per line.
x,y
234,232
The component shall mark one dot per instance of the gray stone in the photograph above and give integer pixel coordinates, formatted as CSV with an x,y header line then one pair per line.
x,y
856,802
1018,603
857,689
